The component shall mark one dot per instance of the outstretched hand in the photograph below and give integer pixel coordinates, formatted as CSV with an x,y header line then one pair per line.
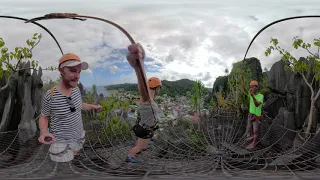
x,y
97,108
136,53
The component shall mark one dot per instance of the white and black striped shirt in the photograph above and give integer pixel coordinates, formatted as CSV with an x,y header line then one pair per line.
x,y
66,126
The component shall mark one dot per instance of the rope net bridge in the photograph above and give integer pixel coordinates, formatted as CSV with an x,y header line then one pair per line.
x,y
215,149
181,149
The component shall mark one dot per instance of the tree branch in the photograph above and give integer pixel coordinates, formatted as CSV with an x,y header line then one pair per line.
x,y
30,50
305,79
9,65
314,76
317,95
28,69
7,84
310,52
18,63
283,52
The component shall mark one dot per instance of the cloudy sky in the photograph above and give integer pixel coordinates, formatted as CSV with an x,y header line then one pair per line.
x,y
195,39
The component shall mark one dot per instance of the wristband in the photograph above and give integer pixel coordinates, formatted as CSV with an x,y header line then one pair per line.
x,y
43,132
48,130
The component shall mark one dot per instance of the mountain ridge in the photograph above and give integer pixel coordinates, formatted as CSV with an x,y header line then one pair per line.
x,y
171,88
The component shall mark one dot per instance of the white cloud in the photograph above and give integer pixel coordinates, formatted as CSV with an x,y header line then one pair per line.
x,y
185,38
88,72
113,69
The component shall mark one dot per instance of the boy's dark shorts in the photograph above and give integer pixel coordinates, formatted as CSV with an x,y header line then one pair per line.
x,y
141,132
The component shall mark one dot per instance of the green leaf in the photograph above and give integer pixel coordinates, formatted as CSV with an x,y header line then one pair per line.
x,y
32,43
28,42
19,55
309,45
274,41
24,51
2,43
4,50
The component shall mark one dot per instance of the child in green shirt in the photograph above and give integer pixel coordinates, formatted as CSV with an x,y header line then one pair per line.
x,y
254,116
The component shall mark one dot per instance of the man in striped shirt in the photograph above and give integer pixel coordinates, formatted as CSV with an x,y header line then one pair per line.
x,y
62,105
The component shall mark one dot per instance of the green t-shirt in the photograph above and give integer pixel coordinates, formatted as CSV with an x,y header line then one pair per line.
x,y
252,107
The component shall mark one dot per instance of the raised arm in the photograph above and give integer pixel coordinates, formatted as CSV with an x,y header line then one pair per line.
x,y
135,57
144,93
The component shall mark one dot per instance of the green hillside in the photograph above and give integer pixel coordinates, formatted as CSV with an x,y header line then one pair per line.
x,y
171,88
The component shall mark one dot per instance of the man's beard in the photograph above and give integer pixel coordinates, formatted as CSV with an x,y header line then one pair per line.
x,y
71,83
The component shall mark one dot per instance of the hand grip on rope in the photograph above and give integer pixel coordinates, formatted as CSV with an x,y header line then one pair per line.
x,y
48,139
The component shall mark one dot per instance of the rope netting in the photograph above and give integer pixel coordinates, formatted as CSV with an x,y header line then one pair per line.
x,y
212,148
215,148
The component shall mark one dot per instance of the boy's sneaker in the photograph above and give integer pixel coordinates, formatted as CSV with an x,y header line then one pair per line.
x,y
133,160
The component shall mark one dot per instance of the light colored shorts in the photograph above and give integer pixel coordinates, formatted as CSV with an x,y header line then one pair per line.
x,y
63,152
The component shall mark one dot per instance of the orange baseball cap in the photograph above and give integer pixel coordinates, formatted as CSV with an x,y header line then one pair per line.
x,y
71,60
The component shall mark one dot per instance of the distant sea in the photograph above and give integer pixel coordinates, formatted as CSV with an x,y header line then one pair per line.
x,y
101,89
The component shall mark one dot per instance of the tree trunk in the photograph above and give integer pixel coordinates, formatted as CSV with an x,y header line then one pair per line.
x,y
313,100
310,115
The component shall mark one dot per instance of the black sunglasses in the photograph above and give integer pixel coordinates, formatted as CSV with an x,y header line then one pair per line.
x,y
72,108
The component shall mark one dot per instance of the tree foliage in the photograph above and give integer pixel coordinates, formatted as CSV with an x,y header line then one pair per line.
x,y
232,96
116,130
240,76
12,62
312,64
113,114
197,95
88,97
293,63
